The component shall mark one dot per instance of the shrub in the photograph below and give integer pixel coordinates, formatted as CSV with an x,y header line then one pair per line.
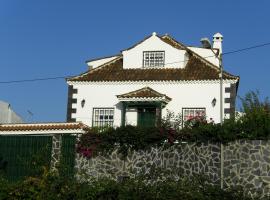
x,y
51,186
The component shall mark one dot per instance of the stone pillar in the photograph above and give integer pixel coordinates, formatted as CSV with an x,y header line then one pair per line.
x,y
56,151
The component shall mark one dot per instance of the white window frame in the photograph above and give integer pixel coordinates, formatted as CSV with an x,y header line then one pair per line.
x,y
103,116
153,59
188,113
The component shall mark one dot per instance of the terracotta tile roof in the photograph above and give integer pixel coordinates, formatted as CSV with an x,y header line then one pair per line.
x,y
171,41
145,92
42,126
196,69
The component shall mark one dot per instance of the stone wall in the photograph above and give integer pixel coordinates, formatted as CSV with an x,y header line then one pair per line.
x,y
245,163
186,159
56,151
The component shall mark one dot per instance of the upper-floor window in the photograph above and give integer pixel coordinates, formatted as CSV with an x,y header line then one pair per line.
x,y
153,58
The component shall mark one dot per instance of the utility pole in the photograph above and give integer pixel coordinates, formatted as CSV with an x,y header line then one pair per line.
x,y
221,88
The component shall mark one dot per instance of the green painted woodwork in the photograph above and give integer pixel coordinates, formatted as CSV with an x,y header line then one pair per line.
x,y
25,155
147,117
68,154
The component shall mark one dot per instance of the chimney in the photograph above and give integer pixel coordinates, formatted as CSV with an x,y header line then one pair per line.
x,y
217,43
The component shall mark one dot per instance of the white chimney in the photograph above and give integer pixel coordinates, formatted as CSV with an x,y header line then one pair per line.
x,y
217,42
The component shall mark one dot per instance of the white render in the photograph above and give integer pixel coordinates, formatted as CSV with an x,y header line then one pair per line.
x,y
217,42
174,58
98,62
7,115
208,54
184,94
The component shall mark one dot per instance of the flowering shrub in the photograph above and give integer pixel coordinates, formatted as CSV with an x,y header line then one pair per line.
x,y
195,121
254,124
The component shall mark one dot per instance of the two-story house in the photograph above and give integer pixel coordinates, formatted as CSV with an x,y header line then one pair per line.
x,y
157,74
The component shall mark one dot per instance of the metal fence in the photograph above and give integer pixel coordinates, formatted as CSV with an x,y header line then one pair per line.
x,y
22,156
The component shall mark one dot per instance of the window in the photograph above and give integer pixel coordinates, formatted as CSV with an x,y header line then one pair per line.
x,y
190,113
103,117
153,58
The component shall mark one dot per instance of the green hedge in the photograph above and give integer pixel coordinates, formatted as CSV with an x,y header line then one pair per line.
x,y
51,187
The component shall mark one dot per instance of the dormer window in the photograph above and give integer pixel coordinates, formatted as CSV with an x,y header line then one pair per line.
x,y
153,58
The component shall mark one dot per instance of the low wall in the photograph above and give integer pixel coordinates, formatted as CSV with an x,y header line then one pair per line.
x,y
187,159
247,163
244,162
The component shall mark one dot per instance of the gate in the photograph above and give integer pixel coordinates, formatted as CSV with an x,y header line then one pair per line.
x,y
68,155
24,155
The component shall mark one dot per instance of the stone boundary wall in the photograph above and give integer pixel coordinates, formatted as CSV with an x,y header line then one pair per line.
x,y
186,159
56,151
244,162
247,163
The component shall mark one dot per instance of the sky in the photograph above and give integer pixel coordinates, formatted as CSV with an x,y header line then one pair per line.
x,y
52,38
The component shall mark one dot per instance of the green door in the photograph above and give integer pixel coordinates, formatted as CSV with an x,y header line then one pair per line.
x,y
147,117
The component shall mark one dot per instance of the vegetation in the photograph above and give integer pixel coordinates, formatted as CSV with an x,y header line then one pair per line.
x,y
253,124
52,186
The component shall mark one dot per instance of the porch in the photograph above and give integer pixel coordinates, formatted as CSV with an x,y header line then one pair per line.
x,y
142,107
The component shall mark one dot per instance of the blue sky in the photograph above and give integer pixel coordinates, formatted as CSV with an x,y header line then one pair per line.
x,y
55,37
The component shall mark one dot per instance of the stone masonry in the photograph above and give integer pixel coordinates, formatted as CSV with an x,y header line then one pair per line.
x,y
187,159
247,163
56,151
243,162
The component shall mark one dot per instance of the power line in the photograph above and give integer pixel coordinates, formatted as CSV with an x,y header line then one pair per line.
x,y
64,77
32,80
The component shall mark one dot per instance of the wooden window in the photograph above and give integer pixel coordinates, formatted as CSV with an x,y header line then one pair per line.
x,y
191,113
103,117
153,58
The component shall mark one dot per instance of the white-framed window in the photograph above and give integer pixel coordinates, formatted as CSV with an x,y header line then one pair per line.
x,y
103,117
191,113
153,58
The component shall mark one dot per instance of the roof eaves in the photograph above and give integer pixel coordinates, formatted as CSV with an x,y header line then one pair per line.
x,y
94,69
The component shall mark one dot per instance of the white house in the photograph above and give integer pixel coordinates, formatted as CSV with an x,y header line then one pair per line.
x,y
157,74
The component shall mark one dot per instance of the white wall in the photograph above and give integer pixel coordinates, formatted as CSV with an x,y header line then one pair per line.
x,y
208,54
131,116
96,63
183,94
7,115
133,58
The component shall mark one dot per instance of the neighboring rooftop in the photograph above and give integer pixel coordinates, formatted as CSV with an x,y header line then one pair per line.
x,y
35,128
7,115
